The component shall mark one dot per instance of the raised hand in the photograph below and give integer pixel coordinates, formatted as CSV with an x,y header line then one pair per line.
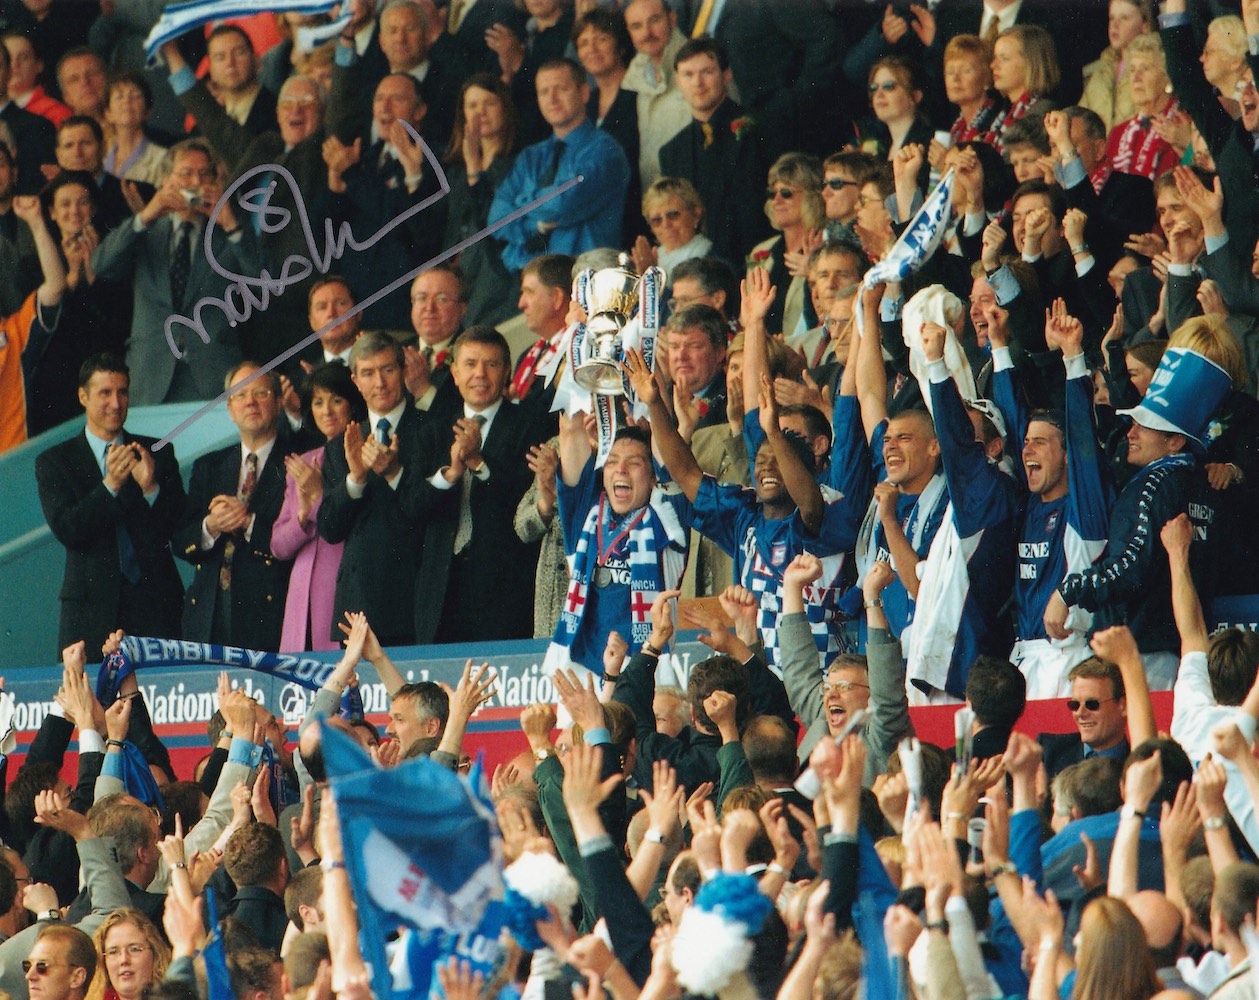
x,y
664,806
933,336
353,442
410,149
757,297
993,240
614,652
1206,205
661,615
583,791
642,380
580,699
416,375
1177,535
474,689
1063,331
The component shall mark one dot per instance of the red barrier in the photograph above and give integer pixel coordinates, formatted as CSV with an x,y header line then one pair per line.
x,y
502,739
935,723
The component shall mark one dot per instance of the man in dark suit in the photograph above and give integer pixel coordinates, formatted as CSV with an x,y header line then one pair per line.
x,y
147,250
404,44
466,24
465,485
376,173
297,146
362,471
234,497
785,57
33,135
697,360
113,503
81,146
718,152
234,79
1117,204
1100,711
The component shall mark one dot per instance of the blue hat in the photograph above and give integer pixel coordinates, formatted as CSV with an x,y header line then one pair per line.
x,y
1183,396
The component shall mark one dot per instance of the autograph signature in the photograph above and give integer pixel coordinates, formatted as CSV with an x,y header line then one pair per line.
x,y
248,294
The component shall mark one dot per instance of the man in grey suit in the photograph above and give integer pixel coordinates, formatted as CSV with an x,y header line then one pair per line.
x,y
161,250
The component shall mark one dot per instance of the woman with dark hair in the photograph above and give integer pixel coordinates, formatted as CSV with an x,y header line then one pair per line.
x,y
604,50
895,95
131,155
483,147
95,313
330,400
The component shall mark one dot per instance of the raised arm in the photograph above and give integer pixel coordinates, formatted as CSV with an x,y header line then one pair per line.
x,y
1177,535
574,450
1140,783
1117,645
27,208
797,477
871,376
757,296
674,452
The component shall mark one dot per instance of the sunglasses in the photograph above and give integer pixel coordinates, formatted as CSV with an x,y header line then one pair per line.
x,y
672,215
838,184
783,192
41,968
886,85
1092,704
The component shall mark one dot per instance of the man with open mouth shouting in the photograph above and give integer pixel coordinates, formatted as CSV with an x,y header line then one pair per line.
x,y
626,538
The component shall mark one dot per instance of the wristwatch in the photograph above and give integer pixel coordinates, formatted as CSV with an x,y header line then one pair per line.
x,y
1005,868
53,914
542,753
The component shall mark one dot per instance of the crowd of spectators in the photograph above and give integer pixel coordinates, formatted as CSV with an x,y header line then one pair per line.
x,y
1025,470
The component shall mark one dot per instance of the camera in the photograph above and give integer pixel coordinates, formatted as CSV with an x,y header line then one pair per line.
x,y
193,197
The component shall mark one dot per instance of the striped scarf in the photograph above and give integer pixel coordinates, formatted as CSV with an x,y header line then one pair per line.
x,y
657,557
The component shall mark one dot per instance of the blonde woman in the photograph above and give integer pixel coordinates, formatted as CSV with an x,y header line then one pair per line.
x,y
1136,146
794,206
675,213
132,954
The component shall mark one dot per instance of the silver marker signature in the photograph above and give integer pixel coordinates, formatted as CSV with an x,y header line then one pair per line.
x,y
255,292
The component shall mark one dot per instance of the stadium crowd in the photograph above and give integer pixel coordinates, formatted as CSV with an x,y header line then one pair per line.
x,y
1020,465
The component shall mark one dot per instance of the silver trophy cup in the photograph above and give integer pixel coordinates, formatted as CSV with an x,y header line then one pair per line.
x,y
612,296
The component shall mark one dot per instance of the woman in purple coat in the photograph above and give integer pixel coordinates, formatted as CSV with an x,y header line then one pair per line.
x,y
331,400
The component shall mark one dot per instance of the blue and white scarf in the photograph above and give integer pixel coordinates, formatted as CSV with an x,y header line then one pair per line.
x,y
137,651
657,558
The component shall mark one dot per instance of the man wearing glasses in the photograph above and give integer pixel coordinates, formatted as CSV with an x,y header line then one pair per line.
x,y
61,965
1100,713
234,497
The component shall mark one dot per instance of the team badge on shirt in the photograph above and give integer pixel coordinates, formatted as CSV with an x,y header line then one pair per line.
x,y
1051,522
778,555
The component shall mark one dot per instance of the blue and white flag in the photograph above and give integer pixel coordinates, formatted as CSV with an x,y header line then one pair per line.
x,y
919,240
421,848
180,18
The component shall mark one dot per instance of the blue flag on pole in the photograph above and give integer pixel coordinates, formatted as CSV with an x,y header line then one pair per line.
x,y
421,848
919,240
